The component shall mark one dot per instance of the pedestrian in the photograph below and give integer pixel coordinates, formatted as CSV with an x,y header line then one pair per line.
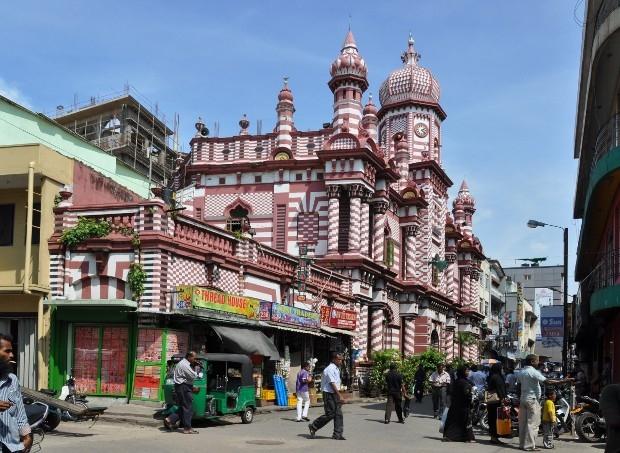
x,y
332,399
458,426
420,380
183,377
15,434
395,391
477,378
548,419
304,378
529,381
496,396
511,380
610,407
440,380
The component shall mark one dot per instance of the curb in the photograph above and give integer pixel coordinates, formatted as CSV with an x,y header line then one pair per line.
x,y
149,421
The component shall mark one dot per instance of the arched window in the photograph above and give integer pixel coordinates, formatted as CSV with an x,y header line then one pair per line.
x,y
238,219
435,339
388,248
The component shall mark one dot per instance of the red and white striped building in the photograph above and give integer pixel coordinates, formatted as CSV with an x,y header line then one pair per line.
x,y
367,193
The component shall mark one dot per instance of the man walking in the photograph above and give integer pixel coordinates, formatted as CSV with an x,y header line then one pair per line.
x,y
529,380
303,393
183,377
440,380
395,390
332,399
15,433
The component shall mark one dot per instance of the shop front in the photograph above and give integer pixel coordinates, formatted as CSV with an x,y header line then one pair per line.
x,y
93,341
340,325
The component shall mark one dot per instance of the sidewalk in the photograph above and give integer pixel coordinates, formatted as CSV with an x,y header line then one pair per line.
x,y
144,414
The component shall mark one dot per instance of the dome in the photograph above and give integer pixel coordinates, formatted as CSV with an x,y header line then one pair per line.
x,y
285,93
349,62
409,83
370,108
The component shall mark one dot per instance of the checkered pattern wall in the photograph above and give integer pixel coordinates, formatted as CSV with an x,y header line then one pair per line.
x,y
261,203
187,272
308,227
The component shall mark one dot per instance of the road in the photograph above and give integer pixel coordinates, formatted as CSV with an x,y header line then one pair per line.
x,y
278,431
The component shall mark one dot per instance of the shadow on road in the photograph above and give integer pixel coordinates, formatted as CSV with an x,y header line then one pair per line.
x,y
67,434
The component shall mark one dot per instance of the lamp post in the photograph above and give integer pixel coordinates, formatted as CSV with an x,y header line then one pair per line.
x,y
565,341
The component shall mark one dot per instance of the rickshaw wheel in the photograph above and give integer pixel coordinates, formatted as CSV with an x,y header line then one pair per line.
x,y
247,415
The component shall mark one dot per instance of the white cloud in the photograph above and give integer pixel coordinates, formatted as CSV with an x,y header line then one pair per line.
x,y
11,91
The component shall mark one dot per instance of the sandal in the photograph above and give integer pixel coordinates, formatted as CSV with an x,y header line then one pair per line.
x,y
167,425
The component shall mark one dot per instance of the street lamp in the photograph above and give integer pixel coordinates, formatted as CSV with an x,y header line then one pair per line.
x,y
565,341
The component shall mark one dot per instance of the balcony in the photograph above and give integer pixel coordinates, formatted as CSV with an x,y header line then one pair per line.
x,y
606,8
604,282
608,138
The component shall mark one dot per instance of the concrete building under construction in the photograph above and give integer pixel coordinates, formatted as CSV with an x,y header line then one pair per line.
x,y
124,126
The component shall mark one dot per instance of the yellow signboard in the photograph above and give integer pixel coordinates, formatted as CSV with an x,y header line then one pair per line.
x,y
196,297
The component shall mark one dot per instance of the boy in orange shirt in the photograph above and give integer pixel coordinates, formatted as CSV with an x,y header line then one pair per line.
x,y
548,419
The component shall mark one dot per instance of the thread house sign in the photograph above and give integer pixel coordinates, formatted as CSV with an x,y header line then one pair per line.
x,y
338,318
204,298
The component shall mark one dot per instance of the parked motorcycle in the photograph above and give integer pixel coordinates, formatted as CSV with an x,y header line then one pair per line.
x,y
479,414
563,413
589,421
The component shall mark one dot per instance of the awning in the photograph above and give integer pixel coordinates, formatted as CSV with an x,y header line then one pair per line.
x,y
290,329
85,303
246,341
340,331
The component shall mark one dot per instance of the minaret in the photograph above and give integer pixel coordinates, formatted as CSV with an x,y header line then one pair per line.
x,y
464,208
285,109
348,84
370,120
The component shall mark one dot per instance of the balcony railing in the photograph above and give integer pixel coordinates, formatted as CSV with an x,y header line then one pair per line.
x,y
607,139
606,8
607,271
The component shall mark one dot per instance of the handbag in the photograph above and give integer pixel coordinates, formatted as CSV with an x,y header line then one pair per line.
x,y
491,397
442,423
503,423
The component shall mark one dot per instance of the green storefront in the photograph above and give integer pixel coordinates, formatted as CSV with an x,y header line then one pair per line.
x,y
108,351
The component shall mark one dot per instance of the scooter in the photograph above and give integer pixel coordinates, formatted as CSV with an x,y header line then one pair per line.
x,y
563,413
589,422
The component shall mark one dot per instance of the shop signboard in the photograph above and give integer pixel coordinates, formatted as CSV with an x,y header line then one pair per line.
x,y
205,298
264,313
552,322
338,318
287,314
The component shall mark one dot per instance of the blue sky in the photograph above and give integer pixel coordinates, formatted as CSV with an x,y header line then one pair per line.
x,y
508,73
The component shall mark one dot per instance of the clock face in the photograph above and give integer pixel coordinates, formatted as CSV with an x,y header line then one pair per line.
x,y
421,130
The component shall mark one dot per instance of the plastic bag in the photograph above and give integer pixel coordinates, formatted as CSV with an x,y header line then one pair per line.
x,y
503,424
442,423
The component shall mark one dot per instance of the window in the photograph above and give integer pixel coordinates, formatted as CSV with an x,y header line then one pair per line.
x,y
222,181
388,249
299,177
36,224
344,222
7,220
238,218
280,236
319,176
527,277
258,178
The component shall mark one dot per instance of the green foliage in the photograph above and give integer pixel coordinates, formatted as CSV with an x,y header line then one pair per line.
x,y
85,229
381,364
458,362
129,231
136,279
407,366
57,199
239,235
466,338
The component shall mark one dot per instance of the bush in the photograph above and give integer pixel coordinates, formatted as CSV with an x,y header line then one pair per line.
x,y
381,364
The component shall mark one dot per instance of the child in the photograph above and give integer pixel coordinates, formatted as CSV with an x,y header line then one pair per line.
x,y
548,419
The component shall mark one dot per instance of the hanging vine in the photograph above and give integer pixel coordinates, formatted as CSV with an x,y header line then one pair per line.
x,y
466,338
88,228
136,279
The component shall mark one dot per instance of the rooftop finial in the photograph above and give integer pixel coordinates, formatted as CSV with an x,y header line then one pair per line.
x,y
285,81
410,56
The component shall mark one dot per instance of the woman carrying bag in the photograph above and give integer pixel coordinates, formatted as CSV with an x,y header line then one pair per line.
x,y
494,396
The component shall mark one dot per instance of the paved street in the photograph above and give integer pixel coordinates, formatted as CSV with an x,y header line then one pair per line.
x,y
278,431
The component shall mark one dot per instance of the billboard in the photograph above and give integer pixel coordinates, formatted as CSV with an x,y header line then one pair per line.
x,y
552,322
543,297
340,319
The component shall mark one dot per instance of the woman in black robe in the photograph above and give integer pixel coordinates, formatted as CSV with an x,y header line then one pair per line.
x,y
458,426
495,384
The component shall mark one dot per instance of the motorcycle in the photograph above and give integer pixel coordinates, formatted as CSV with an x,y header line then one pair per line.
x,y
479,414
36,413
589,422
563,413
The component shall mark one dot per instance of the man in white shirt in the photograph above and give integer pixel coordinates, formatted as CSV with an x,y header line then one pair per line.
x,y
183,377
332,399
440,380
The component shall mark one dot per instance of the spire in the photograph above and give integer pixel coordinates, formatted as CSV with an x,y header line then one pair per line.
x,y
464,187
410,56
349,41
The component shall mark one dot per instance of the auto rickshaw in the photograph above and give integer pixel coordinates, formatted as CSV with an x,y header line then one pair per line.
x,y
225,386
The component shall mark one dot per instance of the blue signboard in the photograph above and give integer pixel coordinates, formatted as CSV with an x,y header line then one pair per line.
x,y
552,326
287,314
